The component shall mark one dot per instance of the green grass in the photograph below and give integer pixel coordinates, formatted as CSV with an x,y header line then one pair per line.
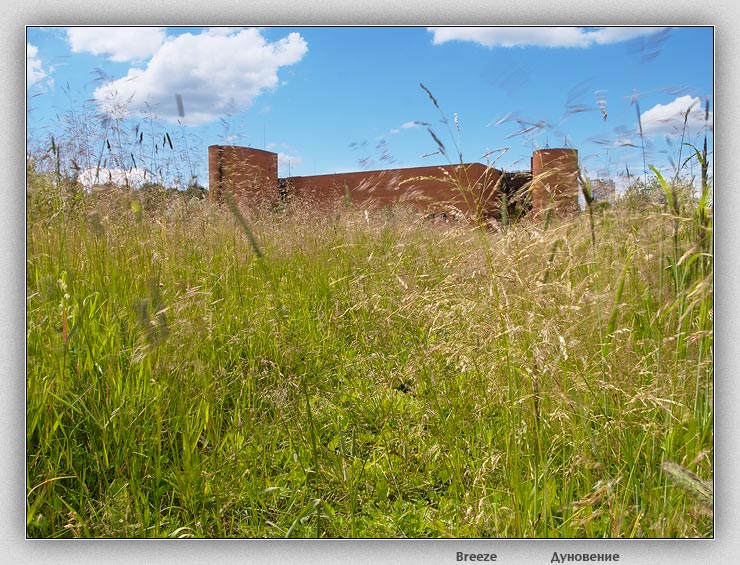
x,y
365,376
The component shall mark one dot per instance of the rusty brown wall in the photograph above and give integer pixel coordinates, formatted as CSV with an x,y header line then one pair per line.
x,y
248,174
251,176
468,188
555,181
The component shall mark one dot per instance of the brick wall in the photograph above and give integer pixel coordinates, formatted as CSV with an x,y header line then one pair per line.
x,y
250,175
555,181
467,188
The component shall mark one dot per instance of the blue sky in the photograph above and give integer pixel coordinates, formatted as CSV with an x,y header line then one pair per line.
x,y
335,99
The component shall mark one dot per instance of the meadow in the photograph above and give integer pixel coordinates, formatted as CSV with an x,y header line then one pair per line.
x,y
195,371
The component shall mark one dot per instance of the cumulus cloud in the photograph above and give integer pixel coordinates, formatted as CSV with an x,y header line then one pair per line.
x,y
540,36
36,74
668,119
288,158
118,44
287,164
215,73
119,177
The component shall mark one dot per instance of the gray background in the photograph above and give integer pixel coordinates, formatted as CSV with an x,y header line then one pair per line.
x,y
14,548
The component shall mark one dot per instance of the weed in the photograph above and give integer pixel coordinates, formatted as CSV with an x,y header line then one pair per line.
x,y
198,373
363,375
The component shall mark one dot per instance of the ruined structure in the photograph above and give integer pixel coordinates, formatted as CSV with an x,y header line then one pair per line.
x,y
473,189
603,190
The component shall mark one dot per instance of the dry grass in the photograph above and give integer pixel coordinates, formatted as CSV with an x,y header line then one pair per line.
x,y
367,374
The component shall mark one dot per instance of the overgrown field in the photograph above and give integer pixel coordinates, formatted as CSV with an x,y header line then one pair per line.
x,y
365,374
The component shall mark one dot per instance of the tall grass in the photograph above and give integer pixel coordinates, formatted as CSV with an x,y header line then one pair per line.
x,y
106,143
364,373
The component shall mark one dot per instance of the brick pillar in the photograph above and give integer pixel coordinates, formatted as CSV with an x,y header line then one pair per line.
x,y
555,181
248,175
215,173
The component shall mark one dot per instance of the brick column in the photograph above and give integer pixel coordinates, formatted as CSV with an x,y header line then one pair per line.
x,y
248,175
555,181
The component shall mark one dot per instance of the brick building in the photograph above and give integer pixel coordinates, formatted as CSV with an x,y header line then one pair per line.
x,y
473,189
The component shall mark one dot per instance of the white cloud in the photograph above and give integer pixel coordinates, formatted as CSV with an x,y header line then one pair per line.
x,y
288,158
117,43
668,119
287,164
36,75
215,73
222,30
119,177
540,36
406,125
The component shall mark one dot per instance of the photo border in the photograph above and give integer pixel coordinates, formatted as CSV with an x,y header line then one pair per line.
x,y
724,548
